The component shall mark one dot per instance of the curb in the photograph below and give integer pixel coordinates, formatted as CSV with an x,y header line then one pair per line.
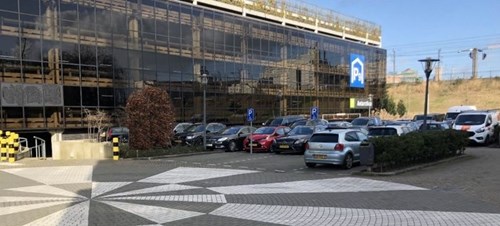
x,y
413,168
177,155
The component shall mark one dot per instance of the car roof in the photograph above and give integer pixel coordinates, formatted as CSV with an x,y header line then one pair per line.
x,y
336,131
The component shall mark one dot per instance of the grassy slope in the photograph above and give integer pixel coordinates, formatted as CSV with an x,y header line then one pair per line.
x,y
483,93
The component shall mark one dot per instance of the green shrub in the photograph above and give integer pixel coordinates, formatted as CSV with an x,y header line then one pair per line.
x,y
420,147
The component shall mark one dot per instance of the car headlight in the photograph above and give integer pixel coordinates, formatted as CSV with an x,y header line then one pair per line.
x,y
300,141
190,137
222,139
480,130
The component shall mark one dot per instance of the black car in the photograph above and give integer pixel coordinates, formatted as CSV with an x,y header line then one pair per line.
x,y
193,135
294,141
230,139
286,120
120,132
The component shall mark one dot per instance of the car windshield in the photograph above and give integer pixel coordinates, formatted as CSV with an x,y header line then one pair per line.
x,y
301,130
195,128
382,132
230,131
325,138
452,115
264,130
181,127
316,122
276,122
359,122
421,117
470,119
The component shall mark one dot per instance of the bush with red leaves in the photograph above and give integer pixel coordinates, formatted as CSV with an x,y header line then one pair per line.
x,y
150,118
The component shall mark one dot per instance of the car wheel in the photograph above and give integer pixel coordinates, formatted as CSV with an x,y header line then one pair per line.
x,y
348,161
487,141
232,146
310,164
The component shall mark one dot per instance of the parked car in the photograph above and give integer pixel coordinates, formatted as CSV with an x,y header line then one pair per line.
x,y
436,126
388,130
337,147
180,127
430,116
231,139
263,137
120,132
300,122
294,141
286,120
193,135
479,125
366,122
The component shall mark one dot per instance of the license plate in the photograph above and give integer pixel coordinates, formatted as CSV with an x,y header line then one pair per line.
x,y
209,145
178,141
319,156
284,146
254,145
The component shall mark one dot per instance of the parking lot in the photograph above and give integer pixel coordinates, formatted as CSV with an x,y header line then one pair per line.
x,y
247,189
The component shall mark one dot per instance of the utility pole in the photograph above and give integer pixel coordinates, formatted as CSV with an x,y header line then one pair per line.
x,y
438,72
393,66
473,55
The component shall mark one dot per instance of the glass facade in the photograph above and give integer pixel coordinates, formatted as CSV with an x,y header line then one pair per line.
x,y
59,57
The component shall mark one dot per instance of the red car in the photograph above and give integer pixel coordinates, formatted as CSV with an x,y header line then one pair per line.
x,y
263,138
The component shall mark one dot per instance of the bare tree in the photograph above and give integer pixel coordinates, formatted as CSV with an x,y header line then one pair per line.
x,y
95,123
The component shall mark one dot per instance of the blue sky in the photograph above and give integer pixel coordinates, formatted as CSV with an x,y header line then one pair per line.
x,y
416,29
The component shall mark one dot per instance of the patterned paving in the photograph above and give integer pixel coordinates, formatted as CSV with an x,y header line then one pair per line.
x,y
67,195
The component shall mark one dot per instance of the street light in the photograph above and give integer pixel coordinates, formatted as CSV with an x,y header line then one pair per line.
x,y
428,65
204,81
370,97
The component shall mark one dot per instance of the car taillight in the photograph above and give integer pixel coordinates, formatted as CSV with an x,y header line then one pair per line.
x,y
306,145
338,147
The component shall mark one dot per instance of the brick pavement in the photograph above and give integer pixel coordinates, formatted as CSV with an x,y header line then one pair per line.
x,y
238,189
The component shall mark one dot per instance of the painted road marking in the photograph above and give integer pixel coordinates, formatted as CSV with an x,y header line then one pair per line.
x,y
99,188
186,174
309,215
55,175
345,184
161,188
157,214
177,198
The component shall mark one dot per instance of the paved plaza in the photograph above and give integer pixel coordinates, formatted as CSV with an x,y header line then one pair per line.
x,y
240,189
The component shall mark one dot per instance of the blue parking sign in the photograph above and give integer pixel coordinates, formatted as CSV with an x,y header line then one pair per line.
x,y
250,114
314,112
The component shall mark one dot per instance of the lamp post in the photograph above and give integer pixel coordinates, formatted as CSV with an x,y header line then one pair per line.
x,y
370,97
204,81
427,64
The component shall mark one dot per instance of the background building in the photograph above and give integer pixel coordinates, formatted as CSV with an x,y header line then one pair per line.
x,y
59,57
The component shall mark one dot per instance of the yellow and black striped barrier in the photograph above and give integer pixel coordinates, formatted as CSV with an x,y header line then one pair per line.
x,y
9,146
116,148
3,149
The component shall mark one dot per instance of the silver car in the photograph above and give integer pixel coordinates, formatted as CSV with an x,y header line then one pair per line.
x,y
337,147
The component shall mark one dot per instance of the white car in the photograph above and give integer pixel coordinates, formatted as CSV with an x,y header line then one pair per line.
x,y
480,125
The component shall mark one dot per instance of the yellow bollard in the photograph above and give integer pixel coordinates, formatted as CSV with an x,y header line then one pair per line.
x,y
11,152
3,149
116,148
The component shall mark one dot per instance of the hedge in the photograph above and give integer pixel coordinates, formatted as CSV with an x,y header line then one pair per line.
x,y
418,147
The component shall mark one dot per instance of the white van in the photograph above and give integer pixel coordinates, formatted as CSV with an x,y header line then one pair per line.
x,y
454,111
480,125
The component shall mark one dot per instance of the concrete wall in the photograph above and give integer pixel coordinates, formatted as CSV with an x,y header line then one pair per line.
x,y
81,149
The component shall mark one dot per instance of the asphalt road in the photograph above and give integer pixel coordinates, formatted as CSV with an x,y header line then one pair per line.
x,y
247,189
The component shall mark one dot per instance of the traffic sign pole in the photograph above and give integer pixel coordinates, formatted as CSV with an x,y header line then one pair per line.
x,y
250,118
251,143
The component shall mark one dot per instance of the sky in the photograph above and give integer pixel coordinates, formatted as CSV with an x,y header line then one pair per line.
x,y
416,29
